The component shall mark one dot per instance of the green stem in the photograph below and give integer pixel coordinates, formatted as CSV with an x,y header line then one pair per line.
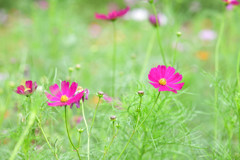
x,y
105,152
23,135
175,53
95,114
85,121
158,34
79,140
148,54
114,58
216,78
40,126
150,111
238,70
135,128
70,140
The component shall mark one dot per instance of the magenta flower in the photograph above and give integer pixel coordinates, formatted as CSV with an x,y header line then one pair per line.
x,y
231,3
28,89
152,20
112,15
84,97
65,96
165,79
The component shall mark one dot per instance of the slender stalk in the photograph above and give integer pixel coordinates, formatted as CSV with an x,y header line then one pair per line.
x,y
148,54
114,136
70,140
216,78
175,52
238,70
150,111
135,128
114,57
99,98
40,126
158,34
79,140
23,135
85,121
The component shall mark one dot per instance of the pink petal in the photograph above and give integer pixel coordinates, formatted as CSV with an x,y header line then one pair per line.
x,y
72,89
154,75
76,98
51,97
175,78
100,16
35,85
169,72
229,7
162,71
176,86
64,87
165,88
155,85
29,85
20,89
55,90
234,2
56,104
123,11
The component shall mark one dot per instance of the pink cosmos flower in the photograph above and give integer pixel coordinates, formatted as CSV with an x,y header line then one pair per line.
x,y
112,15
162,19
165,79
65,96
84,97
231,3
28,89
152,20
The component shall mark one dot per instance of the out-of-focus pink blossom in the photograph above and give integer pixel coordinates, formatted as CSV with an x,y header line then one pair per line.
x,y
207,35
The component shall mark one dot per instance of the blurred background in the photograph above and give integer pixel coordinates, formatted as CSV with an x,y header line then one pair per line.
x,y
52,40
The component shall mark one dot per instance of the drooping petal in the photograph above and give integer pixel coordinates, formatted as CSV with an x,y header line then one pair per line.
x,y
55,90
64,87
176,86
100,16
72,89
51,97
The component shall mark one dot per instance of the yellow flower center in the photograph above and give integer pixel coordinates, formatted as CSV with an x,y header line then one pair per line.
x,y
64,98
162,81
27,89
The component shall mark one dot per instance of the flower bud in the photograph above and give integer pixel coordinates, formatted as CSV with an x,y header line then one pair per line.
x,y
100,94
70,69
140,93
80,130
117,125
179,34
113,118
78,66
